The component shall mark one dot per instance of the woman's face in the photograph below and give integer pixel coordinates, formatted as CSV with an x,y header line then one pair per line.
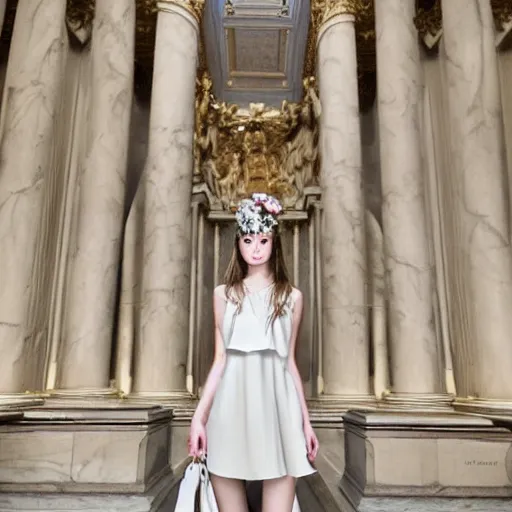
x,y
256,249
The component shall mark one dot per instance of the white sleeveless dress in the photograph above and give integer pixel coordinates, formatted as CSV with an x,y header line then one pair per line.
x,y
255,430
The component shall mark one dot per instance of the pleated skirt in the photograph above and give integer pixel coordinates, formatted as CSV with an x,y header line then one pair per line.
x,y
255,430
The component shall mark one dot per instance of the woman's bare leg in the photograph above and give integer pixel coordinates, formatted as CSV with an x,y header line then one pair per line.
x,y
278,494
230,494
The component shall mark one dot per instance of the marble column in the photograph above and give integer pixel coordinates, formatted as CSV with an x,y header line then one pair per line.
x,y
94,260
480,203
30,109
161,345
409,273
345,324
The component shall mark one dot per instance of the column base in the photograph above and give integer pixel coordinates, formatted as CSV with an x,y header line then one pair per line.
x,y
84,393
416,401
18,401
488,407
174,399
326,407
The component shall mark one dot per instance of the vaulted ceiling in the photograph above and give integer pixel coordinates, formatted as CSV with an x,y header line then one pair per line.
x,y
255,49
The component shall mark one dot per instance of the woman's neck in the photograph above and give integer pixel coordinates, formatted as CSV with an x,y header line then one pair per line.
x,y
259,274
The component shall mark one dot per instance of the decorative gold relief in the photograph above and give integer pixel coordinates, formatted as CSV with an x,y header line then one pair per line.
x,y
229,8
502,11
324,10
262,149
429,21
79,17
194,7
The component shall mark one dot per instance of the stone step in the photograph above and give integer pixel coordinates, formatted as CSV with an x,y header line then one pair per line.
x,y
314,494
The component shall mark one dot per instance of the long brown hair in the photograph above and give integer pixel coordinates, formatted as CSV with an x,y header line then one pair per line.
x,y
237,272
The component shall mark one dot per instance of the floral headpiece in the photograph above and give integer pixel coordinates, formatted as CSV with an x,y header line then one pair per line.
x,y
257,215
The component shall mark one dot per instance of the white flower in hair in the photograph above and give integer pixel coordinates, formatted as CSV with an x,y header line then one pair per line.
x,y
257,215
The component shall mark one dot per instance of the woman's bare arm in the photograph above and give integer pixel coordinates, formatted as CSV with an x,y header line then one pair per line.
x,y
219,361
309,434
292,364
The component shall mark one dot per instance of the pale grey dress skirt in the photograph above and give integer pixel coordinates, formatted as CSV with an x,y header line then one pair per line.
x,y
255,430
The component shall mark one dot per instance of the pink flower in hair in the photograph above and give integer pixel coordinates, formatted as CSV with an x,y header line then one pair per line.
x,y
270,203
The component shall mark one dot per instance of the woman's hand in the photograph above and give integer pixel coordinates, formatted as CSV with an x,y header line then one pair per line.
x,y
311,441
197,438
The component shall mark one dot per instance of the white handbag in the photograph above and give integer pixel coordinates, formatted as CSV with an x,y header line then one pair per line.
x,y
196,492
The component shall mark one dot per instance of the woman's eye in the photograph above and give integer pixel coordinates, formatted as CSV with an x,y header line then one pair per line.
x,y
264,241
247,240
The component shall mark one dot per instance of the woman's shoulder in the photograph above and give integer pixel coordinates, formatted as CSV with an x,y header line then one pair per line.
x,y
220,291
295,297
295,294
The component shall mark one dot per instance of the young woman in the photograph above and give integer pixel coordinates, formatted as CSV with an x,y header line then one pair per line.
x,y
253,413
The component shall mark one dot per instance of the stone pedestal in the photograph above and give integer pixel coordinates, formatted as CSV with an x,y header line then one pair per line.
x,y
102,455
404,456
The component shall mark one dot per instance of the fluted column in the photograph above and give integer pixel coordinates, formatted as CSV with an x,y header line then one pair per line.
x,y
94,261
161,345
414,358
480,204
30,108
345,325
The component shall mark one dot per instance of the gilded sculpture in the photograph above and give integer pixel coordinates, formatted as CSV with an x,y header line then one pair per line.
x,y
429,21
502,12
241,151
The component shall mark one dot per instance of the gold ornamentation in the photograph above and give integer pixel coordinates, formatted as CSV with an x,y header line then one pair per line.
x,y
429,21
259,150
324,10
79,18
502,12
194,7
229,8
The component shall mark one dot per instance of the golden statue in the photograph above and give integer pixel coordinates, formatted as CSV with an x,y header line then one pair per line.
x,y
261,149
